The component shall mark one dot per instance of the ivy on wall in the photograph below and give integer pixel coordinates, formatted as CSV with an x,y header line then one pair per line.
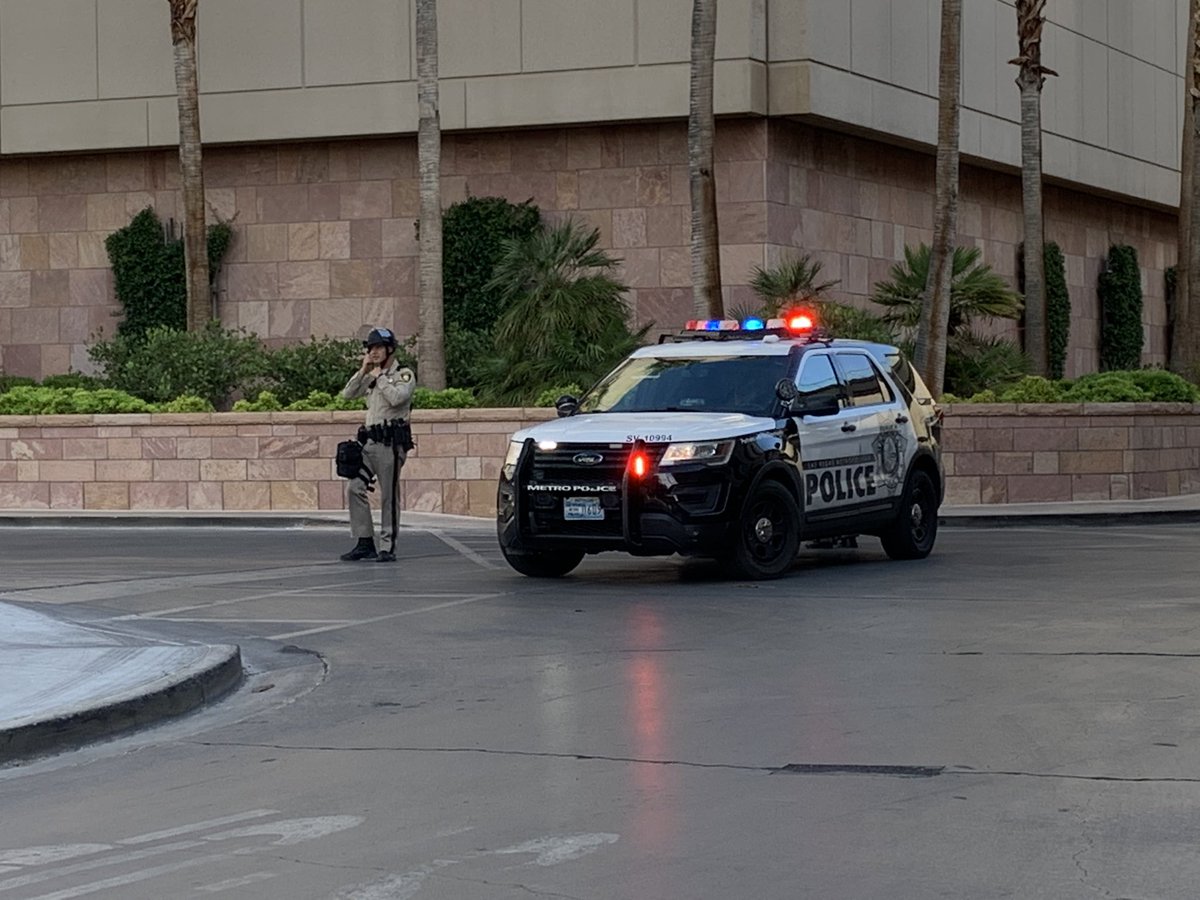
x,y
1120,289
148,270
1058,309
473,235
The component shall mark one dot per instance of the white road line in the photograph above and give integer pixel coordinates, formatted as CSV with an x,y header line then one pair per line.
x,y
158,613
230,883
463,549
199,826
220,620
134,877
20,881
408,612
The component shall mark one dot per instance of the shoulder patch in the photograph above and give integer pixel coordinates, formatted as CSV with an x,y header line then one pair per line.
x,y
405,376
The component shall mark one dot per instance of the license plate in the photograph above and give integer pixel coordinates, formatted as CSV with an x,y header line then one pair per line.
x,y
586,509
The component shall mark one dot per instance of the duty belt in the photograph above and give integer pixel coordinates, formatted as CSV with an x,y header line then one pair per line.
x,y
395,432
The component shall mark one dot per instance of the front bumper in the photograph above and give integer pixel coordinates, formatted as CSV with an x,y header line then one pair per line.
x,y
683,509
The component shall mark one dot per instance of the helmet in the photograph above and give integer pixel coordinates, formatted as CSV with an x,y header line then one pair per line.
x,y
380,337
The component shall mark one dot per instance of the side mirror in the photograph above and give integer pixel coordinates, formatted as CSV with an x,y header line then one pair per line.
x,y
786,391
566,406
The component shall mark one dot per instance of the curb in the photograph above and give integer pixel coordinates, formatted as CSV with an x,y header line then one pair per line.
x,y
1075,519
75,728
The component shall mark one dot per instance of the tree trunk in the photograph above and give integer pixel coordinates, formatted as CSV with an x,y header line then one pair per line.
x,y
706,260
935,311
200,309
431,345
1030,78
1185,350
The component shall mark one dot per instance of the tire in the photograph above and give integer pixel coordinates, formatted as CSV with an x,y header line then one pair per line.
x,y
768,534
915,529
544,565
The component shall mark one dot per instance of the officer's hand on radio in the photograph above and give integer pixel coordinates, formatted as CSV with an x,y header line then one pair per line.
x,y
367,364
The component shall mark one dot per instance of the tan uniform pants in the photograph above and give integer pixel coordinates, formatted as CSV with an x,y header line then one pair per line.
x,y
386,466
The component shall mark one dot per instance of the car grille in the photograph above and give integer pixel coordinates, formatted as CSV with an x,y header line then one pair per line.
x,y
567,465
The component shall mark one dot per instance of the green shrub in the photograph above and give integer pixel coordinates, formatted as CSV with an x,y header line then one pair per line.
x,y
550,396
1120,289
1058,310
293,372
165,364
27,401
1165,387
473,235
565,316
8,382
1032,389
264,402
186,404
73,380
148,272
450,398
1105,387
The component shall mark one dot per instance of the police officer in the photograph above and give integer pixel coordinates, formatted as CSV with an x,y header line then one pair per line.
x,y
388,387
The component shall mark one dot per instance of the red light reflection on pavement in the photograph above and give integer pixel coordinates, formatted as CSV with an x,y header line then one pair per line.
x,y
655,820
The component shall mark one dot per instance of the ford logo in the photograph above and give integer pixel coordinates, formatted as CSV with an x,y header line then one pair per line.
x,y
587,459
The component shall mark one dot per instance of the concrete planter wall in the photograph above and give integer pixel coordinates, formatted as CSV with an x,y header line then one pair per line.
x,y
999,453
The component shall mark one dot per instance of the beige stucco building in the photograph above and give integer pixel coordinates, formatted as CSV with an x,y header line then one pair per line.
x,y
828,114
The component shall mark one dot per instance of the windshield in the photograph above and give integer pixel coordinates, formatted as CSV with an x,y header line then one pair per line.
x,y
741,384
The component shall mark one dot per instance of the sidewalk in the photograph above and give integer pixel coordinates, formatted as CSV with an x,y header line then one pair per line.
x,y
66,684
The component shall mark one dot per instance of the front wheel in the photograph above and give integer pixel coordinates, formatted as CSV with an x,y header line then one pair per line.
x,y
768,533
544,565
912,534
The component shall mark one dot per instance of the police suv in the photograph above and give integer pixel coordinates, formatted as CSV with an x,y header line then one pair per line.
x,y
733,440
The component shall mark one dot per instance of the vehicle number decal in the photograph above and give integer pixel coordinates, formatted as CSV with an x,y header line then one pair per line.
x,y
648,438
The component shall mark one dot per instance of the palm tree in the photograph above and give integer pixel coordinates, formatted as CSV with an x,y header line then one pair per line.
x,y
565,320
432,343
706,260
1185,344
935,313
1031,76
793,280
976,291
973,361
195,237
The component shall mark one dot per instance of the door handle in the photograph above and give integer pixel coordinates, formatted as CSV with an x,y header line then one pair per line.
x,y
849,426
901,420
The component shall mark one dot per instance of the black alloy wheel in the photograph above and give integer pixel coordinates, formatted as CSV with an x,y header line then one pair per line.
x,y
768,534
915,528
543,565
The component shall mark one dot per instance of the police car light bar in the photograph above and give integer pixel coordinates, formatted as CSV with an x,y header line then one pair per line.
x,y
793,323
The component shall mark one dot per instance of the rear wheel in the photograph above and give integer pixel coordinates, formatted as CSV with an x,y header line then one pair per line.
x,y
912,534
544,565
768,533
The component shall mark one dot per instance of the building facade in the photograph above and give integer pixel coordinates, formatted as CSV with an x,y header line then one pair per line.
x,y
827,121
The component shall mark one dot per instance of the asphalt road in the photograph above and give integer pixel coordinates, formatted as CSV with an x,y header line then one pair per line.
x,y
1016,716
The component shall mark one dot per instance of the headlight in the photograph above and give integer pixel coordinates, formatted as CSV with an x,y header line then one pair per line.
x,y
713,453
510,459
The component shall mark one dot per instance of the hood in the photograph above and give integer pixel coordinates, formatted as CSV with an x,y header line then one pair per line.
x,y
655,427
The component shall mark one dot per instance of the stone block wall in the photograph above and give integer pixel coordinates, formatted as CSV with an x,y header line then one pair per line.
x,y
325,242
1017,453
1001,453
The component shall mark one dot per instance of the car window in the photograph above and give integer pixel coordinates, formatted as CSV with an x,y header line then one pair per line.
x,y
817,383
865,386
740,384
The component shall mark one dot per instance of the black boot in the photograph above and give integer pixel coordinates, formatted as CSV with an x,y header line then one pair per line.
x,y
386,556
364,549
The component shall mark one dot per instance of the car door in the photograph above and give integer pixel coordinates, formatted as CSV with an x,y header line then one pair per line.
x,y
881,442
828,433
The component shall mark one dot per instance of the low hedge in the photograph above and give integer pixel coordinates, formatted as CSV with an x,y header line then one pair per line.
x,y
1138,386
25,400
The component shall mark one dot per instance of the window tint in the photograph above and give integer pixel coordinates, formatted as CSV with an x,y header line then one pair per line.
x,y
866,389
817,383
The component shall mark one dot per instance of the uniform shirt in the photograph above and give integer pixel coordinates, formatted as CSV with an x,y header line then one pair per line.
x,y
388,397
